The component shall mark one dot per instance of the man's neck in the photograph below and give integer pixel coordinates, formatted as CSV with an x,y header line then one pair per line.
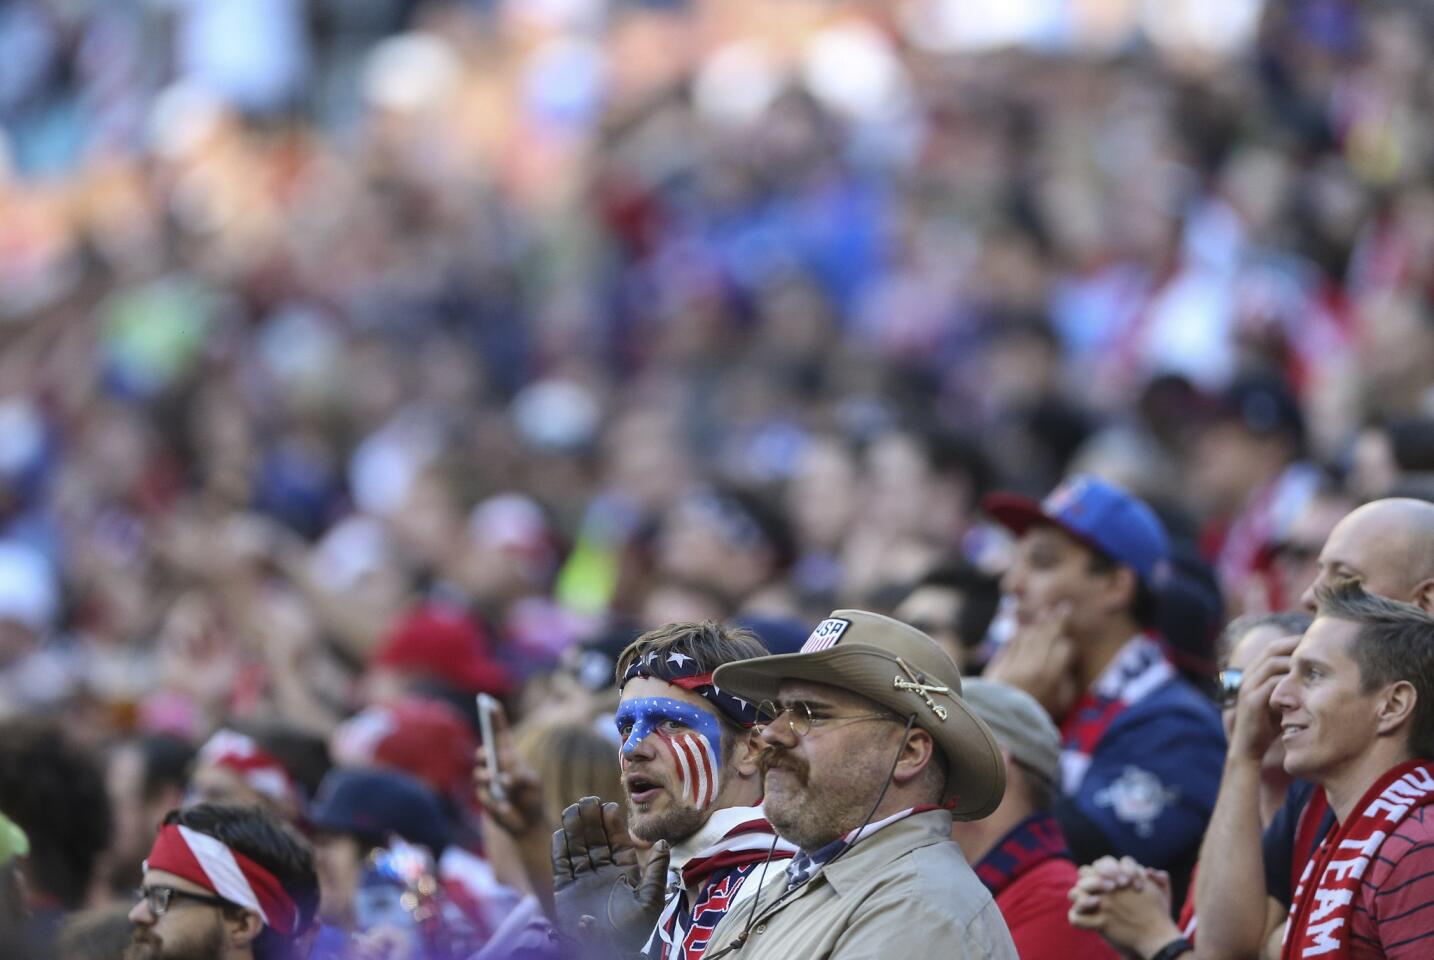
x,y
1098,650
978,837
1345,787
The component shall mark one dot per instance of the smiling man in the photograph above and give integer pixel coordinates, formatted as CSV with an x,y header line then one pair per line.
x,y
1357,718
692,786
224,883
868,752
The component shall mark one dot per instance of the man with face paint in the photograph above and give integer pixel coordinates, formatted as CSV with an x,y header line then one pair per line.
x,y
693,790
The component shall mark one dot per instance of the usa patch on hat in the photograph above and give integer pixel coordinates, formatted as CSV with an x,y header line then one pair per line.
x,y
826,635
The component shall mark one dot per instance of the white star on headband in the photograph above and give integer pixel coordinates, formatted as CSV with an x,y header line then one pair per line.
x,y
649,657
741,701
679,658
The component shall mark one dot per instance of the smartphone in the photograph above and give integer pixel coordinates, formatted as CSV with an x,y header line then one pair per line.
x,y
487,705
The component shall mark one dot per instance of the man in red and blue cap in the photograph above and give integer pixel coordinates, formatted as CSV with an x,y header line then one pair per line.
x,y
1142,749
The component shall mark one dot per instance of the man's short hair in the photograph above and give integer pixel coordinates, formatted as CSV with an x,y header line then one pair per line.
x,y
1145,606
709,643
271,844
1395,642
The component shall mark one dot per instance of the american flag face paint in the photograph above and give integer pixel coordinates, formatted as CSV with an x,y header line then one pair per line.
x,y
688,734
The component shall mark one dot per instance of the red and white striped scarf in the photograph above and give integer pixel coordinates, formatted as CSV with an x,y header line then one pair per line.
x,y
1318,924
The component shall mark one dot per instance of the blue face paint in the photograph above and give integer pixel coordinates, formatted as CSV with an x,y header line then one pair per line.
x,y
637,719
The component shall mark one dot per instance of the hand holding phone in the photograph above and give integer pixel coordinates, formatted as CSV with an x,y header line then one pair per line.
x,y
488,707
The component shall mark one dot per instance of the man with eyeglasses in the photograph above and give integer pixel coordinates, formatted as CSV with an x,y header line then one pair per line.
x,y
224,883
692,786
868,751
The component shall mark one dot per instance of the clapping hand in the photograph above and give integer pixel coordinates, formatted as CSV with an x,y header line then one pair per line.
x,y
606,903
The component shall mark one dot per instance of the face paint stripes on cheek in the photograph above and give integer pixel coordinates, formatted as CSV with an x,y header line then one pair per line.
x,y
696,755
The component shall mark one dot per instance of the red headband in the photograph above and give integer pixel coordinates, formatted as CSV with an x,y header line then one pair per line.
x,y
255,766
202,859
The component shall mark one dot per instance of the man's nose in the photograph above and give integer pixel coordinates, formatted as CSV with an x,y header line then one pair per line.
x,y
779,732
140,913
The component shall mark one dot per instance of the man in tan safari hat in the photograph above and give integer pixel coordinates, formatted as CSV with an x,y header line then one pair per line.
x,y
868,753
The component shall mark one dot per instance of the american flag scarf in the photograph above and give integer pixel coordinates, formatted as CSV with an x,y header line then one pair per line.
x,y
1318,924
716,872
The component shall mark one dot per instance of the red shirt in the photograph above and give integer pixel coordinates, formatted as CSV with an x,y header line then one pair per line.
x,y
1035,907
1394,909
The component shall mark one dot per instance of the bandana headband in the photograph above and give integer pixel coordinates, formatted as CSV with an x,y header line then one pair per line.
x,y
257,767
683,672
207,861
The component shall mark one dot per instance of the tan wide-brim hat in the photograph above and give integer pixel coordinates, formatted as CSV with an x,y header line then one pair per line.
x,y
902,669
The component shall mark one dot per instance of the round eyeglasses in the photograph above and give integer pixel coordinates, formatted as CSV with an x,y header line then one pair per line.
x,y
801,716
159,899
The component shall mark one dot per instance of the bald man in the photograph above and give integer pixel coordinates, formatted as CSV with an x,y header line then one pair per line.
x,y
1388,546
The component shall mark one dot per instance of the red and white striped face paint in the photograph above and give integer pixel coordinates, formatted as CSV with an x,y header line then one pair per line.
x,y
688,734
696,764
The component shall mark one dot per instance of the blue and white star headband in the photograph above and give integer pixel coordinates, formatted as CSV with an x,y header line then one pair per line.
x,y
682,671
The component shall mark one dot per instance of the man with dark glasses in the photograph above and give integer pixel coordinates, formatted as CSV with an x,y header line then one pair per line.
x,y
224,883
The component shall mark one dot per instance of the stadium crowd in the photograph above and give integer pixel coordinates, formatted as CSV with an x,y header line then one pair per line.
x,y
891,481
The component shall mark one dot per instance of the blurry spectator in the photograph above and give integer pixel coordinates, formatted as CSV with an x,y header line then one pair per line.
x,y
434,646
731,541
1250,474
1141,748
55,793
1390,453
357,815
146,777
1293,560
14,911
99,933
426,739
235,768
953,605
1019,852
225,881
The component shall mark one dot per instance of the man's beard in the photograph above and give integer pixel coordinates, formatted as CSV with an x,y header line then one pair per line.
x,y
145,945
813,817
674,824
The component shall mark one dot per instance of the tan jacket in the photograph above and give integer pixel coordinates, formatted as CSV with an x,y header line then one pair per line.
x,y
904,892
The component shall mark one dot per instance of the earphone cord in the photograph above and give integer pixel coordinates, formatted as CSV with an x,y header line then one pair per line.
x,y
741,939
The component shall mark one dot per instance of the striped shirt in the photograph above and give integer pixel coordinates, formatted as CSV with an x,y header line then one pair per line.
x,y
1394,910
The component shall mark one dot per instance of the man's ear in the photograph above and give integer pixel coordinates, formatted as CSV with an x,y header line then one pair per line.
x,y
1397,707
243,927
917,753
1124,584
745,747
1423,596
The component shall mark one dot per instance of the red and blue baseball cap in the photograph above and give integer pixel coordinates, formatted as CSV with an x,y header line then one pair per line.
x,y
1101,515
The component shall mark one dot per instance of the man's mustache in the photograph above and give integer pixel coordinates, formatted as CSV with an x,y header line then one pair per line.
x,y
771,758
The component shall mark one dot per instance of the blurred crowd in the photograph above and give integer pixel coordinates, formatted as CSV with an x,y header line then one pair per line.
x,y
360,357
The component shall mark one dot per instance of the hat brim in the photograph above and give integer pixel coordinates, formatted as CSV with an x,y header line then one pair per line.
x,y
1019,514
978,771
